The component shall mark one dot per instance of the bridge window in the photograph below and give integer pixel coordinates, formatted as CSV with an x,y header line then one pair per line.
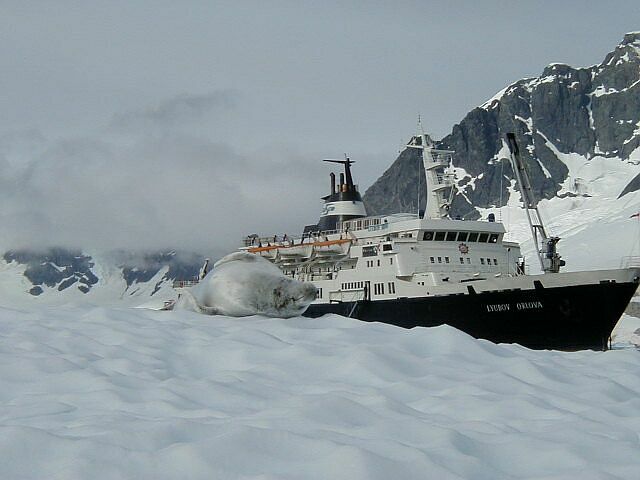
x,y
473,237
370,251
462,236
451,236
483,237
386,247
428,236
440,236
493,238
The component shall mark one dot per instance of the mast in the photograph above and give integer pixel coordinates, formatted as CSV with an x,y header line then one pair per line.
x,y
439,182
550,260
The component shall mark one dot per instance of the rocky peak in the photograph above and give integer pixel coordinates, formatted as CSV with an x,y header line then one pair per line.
x,y
593,111
631,38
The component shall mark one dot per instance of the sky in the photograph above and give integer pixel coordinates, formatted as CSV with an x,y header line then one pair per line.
x,y
191,124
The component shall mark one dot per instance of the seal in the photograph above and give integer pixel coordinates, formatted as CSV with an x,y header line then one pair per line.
x,y
243,284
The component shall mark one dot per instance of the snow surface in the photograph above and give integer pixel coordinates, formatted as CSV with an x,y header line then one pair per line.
x,y
102,393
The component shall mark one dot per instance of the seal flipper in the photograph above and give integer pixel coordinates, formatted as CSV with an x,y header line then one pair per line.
x,y
209,310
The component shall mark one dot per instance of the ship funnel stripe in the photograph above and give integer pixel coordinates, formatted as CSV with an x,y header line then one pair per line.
x,y
351,208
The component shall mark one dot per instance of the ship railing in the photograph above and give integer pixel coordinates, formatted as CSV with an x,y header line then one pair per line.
x,y
186,283
630,262
350,295
285,240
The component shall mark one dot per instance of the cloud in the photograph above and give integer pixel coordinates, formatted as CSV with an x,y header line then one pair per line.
x,y
169,191
179,110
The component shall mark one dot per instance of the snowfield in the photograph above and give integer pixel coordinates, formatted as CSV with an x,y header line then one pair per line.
x,y
104,393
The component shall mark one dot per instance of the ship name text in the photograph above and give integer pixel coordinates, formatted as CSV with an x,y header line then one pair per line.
x,y
506,307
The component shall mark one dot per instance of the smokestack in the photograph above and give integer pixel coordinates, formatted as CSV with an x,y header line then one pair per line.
x,y
342,189
333,182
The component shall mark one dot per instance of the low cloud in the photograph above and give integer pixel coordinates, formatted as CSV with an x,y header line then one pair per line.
x,y
181,109
156,191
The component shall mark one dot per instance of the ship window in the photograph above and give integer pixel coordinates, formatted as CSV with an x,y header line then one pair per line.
x,y
440,236
446,259
319,293
461,260
483,237
378,262
391,261
469,260
370,251
392,287
451,236
382,288
386,247
482,261
493,238
495,261
473,237
439,259
433,260
427,236
462,236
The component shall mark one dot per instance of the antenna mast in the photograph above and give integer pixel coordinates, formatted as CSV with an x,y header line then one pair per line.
x,y
550,260
439,183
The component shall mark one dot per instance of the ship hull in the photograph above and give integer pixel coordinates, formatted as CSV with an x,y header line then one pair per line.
x,y
575,317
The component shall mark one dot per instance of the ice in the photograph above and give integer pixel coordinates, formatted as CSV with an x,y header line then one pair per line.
x,y
101,393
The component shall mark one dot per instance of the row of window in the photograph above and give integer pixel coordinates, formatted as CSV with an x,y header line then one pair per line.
x,y
462,260
472,237
378,288
376,263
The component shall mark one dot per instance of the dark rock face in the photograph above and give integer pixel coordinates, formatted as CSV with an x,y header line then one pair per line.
x,y
55,268
62,269
592,111
138,269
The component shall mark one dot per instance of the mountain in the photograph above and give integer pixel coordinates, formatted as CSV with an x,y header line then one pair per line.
x,y
74,274
564,119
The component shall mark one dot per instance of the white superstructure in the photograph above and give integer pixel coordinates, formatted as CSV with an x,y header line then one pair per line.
x,y
399,255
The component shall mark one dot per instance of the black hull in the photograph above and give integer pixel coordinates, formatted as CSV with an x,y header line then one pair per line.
x,y
561,318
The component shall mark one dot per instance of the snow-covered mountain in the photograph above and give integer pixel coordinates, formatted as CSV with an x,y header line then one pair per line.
x,y
63,275
569,122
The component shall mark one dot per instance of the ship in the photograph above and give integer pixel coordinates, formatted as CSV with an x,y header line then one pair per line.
x,y
428,269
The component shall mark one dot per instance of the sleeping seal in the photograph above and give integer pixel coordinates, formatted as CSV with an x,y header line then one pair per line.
x,y
243,284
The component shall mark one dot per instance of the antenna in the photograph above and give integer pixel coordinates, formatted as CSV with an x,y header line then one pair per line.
x,y
347,162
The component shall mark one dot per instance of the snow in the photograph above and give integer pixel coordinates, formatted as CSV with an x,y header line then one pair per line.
x,y
492,102
101,393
